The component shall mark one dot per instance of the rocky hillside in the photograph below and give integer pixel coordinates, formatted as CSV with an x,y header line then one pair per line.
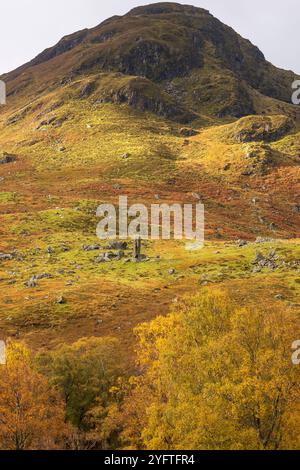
x,y
174,60
163,104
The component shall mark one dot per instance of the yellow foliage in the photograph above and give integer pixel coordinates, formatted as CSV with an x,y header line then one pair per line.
x,y
31,412
218,376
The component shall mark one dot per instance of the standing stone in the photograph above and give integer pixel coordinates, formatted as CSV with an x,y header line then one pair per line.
x,y
137,243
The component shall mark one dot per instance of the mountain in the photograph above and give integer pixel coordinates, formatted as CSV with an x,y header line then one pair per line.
x,y
175,60
163,104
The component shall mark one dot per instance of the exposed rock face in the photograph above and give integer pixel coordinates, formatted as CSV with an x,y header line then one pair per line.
x,y
157,61
87,90
143,95
146,97
260,128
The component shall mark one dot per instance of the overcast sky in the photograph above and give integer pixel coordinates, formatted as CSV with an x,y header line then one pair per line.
x,y
30,26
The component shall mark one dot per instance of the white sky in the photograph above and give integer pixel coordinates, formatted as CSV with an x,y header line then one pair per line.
x,y
30,26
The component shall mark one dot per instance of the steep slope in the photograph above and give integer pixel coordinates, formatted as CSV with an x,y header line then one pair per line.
x,y
194,64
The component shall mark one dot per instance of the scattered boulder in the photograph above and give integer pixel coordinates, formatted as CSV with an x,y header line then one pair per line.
x,y
31,283
117,245
140,259
188,132
120,254
7,158
241,243
297,208
61,300
256,269
259,257
59,122
87,90
6,256
53,121
265,261
46,122
264,240
110,256
42,276
91,247
279,297
100,259
14,119
65,248
247,172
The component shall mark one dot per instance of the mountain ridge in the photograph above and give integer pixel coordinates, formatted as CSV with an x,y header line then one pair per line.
x,y
202,65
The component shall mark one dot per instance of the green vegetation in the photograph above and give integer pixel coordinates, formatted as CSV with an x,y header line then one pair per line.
x,y
217,376
162,107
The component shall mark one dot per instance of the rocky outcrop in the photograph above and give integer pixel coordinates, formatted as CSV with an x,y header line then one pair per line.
x,y
261,128
64,45
144,95
259,159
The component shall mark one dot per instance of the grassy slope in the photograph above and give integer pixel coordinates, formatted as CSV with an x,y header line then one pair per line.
x,y
48,198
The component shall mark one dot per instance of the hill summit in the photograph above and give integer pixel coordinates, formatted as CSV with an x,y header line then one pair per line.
x,y
175,60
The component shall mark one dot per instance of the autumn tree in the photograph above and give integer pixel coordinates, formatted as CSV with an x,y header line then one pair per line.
x,y
87,373
31,412
216,376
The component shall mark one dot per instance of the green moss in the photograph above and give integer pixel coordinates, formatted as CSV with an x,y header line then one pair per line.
x,y
9,197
